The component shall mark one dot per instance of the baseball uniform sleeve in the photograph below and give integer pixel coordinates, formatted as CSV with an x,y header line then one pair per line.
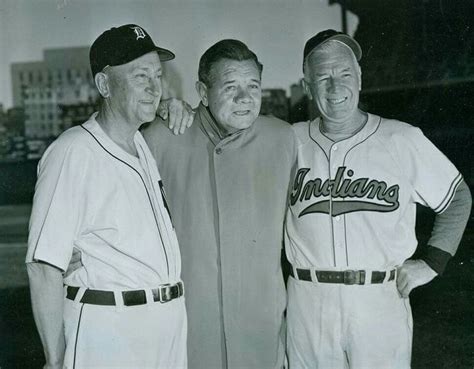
x,y
58,204
433,177
448,230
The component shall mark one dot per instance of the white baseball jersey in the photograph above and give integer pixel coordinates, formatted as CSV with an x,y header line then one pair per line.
x,y
94,196
353,202
353,206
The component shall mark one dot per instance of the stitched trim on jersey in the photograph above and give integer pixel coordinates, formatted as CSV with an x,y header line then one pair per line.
x,y
345,240
329,211
316,142
447,198
365,139
77,337
162,189
344,163
147,193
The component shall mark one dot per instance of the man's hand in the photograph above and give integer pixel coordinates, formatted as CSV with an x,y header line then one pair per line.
x,y
179,112
411,274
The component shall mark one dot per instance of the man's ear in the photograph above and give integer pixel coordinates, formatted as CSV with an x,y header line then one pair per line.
x,y
201,89
102,83
306,89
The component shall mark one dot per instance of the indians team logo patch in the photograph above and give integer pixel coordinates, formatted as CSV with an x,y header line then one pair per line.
x,y
348,194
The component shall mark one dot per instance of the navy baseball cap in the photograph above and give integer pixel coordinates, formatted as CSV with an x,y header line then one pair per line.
x,y
328,35
120,45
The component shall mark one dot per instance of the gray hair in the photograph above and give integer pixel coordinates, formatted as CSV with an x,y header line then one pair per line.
x,y
326,47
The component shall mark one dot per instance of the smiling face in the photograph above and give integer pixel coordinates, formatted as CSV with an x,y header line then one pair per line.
x,y
135,89
235,96
333,79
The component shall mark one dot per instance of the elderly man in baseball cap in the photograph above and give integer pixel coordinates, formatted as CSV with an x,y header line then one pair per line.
x,y
350,226
99,192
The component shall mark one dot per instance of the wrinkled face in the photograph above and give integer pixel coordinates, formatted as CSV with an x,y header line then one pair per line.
x,y
135,88
235,96
333,79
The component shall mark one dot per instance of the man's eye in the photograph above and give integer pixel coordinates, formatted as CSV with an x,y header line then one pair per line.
x,y
229,88
254,87
141,76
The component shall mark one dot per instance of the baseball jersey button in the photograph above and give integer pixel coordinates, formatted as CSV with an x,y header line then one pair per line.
x,y
338,218
334,147
218,151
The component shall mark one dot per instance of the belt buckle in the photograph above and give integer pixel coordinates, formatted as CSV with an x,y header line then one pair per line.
x,y
165,293
351,277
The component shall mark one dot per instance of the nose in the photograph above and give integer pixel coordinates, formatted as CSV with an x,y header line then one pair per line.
x,y
154,87
242,95
333,84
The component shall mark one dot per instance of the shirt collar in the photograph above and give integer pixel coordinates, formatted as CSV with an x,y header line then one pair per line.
x,y
211,129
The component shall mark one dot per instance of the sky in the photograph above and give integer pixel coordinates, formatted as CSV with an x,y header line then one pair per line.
x,y
275,30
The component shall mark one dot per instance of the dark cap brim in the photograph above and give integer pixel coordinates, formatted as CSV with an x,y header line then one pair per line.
x,y
165,54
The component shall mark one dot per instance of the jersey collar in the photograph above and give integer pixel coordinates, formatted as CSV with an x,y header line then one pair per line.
x,y
103,140
372,124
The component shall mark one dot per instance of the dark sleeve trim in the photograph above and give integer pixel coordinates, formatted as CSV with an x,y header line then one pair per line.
x,y
437,259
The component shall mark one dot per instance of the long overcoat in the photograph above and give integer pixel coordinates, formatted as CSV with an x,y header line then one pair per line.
x,y
227,198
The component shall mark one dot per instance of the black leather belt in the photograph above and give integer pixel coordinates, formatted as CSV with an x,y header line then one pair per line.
x,y
348,277
162,294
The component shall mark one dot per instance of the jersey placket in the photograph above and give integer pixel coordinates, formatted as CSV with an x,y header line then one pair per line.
x,y
336,160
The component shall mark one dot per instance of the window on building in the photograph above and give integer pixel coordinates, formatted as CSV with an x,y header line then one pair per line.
x,y
30,77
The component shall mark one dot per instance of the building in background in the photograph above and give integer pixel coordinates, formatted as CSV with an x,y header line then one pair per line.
x,y
3,132
45,89
12,138
301,108
275,103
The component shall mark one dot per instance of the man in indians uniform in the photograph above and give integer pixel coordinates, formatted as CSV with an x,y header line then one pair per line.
x,y
350,226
